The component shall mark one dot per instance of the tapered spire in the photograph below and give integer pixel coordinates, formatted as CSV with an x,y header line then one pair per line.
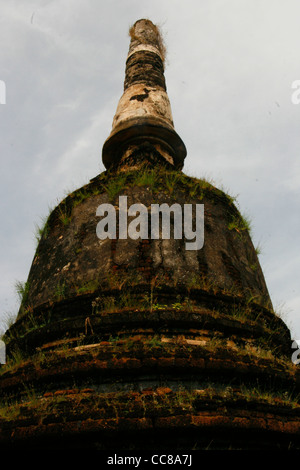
x,y
144,114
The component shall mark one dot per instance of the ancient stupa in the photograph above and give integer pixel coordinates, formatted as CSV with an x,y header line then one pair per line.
x,y
139,343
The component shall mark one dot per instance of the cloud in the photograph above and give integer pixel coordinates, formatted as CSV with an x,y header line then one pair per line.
x,y
230,67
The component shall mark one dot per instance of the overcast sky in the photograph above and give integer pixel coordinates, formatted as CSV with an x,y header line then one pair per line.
x,y
229,72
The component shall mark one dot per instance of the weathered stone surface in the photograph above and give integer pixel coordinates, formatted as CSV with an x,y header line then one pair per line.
x,y
227,261
142,341
144,113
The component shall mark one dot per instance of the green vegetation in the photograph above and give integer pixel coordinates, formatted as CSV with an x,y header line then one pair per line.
x,y
258,249
60,291
41,231
115,185
22,289
240,224
63,215
157,180
87,287
258,392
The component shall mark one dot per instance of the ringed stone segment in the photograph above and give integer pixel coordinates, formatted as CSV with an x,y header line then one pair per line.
x,y
145,57
144,67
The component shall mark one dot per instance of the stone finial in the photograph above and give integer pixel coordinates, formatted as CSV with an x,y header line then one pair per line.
x,y
143,115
